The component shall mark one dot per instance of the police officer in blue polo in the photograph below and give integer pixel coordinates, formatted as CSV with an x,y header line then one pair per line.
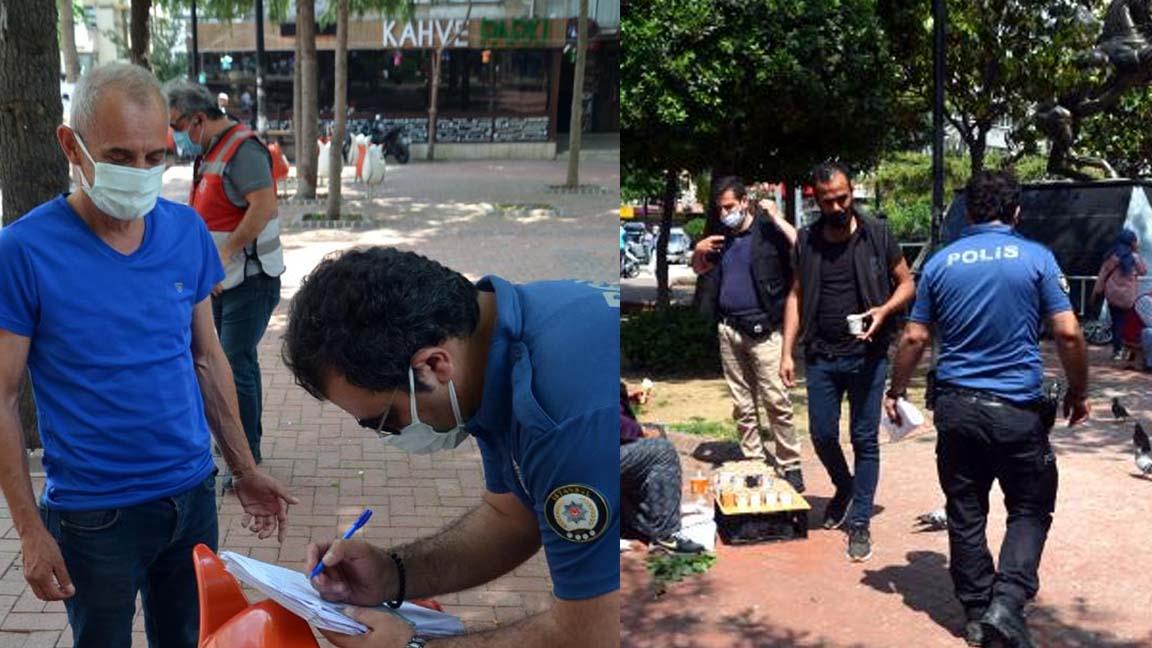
x,y
425,358
988,294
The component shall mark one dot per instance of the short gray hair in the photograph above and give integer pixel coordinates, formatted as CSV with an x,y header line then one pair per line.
x,y
137,83
190,98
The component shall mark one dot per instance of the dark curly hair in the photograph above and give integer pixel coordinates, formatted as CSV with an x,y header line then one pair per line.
x,y
364,313
992,195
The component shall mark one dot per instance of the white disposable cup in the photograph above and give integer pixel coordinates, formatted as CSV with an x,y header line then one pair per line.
x,y
770,498
754,499
785,499
855,324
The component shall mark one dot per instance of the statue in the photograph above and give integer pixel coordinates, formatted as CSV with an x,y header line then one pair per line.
x,y
1124,49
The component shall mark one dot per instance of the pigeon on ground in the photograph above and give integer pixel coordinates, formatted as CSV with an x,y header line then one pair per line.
x,y
935,521
1143,449
1118,410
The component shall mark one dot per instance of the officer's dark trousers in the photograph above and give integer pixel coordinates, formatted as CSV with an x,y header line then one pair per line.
x,y
981,440
649,489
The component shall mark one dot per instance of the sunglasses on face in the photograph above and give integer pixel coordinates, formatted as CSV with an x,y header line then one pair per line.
x,y
379,424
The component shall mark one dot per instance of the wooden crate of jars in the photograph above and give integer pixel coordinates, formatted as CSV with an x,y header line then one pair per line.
x,y
754,505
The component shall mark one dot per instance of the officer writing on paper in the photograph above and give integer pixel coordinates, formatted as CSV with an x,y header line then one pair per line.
x,y
988,294
104,299
233,191
425,358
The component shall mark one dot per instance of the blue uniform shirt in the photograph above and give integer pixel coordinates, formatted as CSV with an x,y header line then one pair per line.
x,y
548,423
120,411
987,293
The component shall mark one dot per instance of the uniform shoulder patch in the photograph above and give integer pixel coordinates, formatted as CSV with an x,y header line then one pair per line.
x,y
577,513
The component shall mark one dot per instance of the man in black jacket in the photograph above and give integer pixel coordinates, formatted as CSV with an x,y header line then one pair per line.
x,y
847,266
748,271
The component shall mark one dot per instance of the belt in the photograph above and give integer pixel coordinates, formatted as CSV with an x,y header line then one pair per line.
x,y
757,325
983,397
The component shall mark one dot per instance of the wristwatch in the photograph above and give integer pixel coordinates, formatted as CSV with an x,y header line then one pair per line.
x,y
416,642
896,395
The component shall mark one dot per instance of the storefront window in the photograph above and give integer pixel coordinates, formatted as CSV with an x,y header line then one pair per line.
x,y
521,81
512,82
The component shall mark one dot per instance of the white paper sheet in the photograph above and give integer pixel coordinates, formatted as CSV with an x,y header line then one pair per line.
x,y
292,590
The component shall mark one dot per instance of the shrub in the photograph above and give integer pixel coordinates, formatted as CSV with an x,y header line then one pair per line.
x,y
676,341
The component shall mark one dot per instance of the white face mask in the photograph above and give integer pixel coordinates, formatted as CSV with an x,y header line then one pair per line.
x,y
122,192
733,219
420,438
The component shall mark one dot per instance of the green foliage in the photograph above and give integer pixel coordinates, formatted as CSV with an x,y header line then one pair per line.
x,y
904,181
678,341
1004,56
167,63
636,185
1121,136
697,426
762,87
694,228
667,569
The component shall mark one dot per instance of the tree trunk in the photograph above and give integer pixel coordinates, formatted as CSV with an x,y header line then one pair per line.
x,y
141,31
434,101
68,41
33,170
335,157
307,148
977,150
575,133
434,93
297,85
663,291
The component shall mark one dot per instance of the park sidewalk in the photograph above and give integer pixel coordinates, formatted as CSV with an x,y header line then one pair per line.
x,y
1095,589
468,216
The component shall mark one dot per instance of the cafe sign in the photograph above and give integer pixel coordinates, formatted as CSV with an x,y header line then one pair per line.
x,y
425,34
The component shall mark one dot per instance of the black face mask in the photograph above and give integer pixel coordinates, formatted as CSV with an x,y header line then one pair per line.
x,y
838,220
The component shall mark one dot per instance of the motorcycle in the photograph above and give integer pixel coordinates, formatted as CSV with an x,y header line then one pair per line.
x,y
629,267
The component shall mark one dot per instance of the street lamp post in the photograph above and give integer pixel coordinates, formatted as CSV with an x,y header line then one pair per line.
x,y
939,19
258,107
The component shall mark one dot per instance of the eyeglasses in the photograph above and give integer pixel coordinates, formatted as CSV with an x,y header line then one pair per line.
x,y
378,424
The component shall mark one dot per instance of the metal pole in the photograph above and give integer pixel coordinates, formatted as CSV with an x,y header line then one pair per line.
x,y
195,48
939,19
258,106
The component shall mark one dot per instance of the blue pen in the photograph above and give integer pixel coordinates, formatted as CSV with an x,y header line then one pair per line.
x,y
360,522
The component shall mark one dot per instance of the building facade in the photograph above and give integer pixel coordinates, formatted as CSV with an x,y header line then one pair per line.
x,y
506,75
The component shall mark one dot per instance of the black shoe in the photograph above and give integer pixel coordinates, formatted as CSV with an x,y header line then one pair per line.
x,y
678,545
973,630
796,478
837,509
859,544
1005,623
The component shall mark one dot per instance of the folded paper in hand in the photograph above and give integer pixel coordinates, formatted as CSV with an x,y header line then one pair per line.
x,y
292,590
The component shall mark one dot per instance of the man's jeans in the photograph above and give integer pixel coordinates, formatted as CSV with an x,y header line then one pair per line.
x,y
649,489
242,315
980,441
862,378
1146,345
113,554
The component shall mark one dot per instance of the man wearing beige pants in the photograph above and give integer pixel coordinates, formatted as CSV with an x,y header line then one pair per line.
x,y
748,271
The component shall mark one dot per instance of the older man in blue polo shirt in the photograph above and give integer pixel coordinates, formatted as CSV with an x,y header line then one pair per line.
x,y
104,299
988,294
425,358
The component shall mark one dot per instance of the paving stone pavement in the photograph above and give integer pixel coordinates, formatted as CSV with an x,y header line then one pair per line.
x,y
441,210
1094,587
